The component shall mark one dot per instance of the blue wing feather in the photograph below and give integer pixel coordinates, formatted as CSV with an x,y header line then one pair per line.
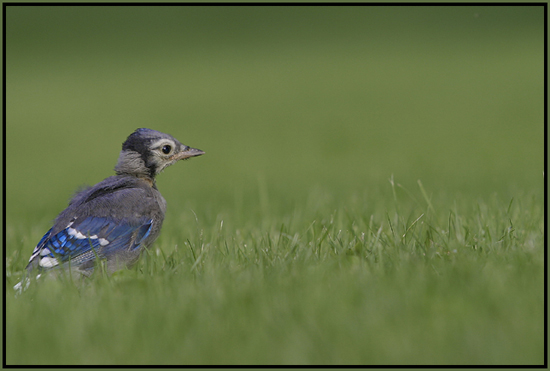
x,y
80,241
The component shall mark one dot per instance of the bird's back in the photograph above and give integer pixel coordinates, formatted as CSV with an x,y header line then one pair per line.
x,y
122,215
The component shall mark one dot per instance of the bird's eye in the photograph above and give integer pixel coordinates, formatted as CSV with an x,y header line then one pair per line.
x,y
166,149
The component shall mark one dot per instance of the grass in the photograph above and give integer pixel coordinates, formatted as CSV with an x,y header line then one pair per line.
x,y
371,191
329,284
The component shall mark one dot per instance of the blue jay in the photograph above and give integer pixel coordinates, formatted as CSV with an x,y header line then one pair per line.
x,y
117,218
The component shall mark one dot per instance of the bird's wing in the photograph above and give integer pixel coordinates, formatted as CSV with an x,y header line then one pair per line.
x,y
85,240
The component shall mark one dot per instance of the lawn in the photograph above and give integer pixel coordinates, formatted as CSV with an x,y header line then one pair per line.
x,y
371,192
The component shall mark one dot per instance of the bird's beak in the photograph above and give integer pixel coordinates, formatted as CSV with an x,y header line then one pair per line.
x,y
190,152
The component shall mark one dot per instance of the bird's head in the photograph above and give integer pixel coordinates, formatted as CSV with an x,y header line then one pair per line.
x,y
146,152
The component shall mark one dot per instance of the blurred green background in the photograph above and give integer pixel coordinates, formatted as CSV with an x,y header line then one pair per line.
x,y
294,106
335,97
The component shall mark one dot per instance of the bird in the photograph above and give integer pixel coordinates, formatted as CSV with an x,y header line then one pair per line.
x,y
119,217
